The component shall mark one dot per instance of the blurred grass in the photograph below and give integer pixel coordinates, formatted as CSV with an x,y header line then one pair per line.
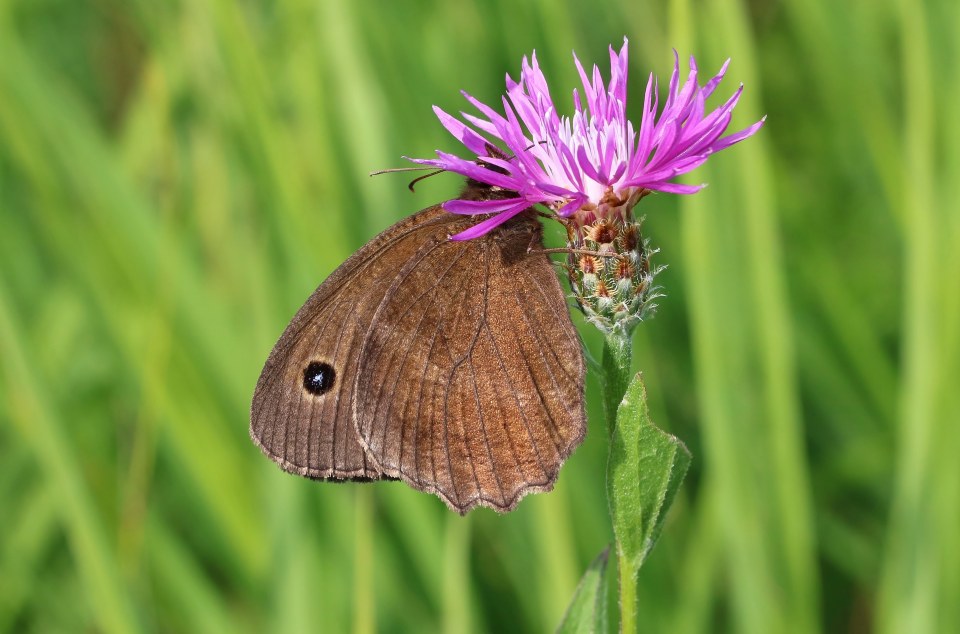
x,y
175,178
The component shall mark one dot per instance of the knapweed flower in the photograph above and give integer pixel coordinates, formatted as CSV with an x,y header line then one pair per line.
x,y
590,170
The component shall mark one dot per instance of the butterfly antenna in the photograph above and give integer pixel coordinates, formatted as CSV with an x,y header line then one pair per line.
x,y
411,184
409,169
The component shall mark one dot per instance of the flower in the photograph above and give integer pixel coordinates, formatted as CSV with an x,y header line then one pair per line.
x,y
596,163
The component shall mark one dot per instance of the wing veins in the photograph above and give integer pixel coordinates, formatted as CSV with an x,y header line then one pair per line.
x,y
516,398
541,344
408,270
416,428
486,442
548,344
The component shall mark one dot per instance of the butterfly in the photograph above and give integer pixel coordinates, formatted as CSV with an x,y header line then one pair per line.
x,y
451,365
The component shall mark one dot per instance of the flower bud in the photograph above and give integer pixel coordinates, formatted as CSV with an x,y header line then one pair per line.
x,y
609,266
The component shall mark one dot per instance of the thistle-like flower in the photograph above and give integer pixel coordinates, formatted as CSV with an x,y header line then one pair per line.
x,y
591,170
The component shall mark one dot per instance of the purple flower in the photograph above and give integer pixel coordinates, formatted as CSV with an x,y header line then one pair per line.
x,y
595,162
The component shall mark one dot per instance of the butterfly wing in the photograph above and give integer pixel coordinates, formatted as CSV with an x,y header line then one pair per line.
x,y
470,381
307,428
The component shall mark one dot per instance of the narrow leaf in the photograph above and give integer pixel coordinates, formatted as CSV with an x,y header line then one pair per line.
x,y
587,610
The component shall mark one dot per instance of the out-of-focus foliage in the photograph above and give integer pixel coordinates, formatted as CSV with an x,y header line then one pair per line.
x,y
176,177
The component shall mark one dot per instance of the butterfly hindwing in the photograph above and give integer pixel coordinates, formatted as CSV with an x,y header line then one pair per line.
x,y
470,378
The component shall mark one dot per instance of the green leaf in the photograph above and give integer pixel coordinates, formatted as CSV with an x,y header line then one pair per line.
x,y
587,610
644,472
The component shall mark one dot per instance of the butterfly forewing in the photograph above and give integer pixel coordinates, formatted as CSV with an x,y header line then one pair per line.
x,y
470,379
311,432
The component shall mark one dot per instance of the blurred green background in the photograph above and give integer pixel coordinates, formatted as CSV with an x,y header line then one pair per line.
x,y
177,177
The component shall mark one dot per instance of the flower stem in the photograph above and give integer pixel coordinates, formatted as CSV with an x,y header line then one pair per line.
x,y
628,596
617,357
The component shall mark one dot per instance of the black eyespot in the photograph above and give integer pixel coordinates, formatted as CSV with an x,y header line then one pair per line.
x,y
318,377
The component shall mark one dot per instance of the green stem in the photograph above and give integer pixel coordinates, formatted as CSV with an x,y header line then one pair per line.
x,y
617,357
628,596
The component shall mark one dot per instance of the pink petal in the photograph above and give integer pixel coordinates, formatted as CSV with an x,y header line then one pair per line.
x,y
489,224
474,207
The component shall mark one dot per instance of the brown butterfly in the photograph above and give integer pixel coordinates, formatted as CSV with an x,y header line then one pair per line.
x,y
451,365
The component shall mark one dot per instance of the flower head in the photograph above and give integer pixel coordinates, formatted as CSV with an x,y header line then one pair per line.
x,y
592,165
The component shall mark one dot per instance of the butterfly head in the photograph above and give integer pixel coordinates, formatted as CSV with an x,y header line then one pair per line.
x,y
478,190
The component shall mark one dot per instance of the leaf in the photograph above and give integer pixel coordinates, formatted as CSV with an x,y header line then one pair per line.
x,y
644,472
587,610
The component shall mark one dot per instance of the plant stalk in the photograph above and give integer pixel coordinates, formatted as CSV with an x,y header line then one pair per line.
x,y
617,357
